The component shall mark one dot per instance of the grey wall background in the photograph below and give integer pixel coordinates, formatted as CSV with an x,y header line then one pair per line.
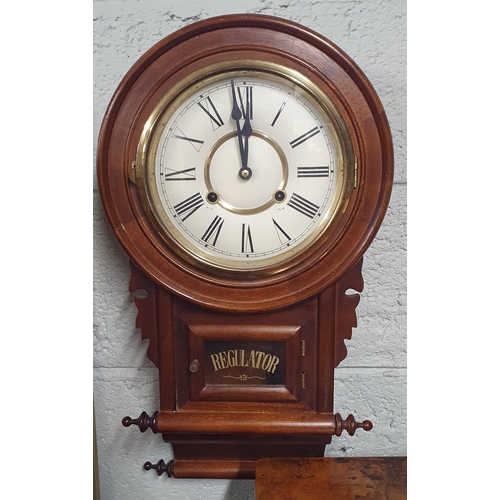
x,y
371,381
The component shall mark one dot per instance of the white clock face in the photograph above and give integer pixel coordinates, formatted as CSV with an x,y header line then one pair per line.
x,y
243,170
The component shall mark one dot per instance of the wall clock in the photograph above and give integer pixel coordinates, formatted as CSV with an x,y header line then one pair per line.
x,y
245,165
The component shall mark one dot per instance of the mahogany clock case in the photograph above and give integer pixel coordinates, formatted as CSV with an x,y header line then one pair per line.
x,y
246,360
238,387
236,38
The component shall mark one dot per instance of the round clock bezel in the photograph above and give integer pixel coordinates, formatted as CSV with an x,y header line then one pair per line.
x,y
174,99
193,49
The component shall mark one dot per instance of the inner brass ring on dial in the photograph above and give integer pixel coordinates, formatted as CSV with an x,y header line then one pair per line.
x,y
273,189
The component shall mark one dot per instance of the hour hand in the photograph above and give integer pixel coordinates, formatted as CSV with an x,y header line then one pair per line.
x,y
236,113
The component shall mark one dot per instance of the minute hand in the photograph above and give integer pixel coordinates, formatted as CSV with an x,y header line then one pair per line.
x,y
236,114
247,132
247,127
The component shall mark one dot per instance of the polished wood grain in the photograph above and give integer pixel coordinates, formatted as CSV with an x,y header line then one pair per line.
x,y
367,478
235,38
221,430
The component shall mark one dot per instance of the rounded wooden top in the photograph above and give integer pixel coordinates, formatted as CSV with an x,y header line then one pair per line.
x,y
248,37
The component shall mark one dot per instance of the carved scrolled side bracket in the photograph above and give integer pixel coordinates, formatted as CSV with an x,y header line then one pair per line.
x,y
144,422
346,306
146,310
350,425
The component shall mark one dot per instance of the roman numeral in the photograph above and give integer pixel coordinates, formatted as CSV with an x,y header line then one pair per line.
x,y
322,171
188,174
196,143
189,206
281,232
304,137
213,231
305,207
246,239
246,101
280,110
211,111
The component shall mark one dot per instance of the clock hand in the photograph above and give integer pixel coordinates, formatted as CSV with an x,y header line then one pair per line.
x,y
247,127
236,114
245,172
236,111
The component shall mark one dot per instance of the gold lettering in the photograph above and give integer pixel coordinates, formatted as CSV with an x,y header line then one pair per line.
x,y
273,364
259,359
256,359
216,362
251,359
223,359
266,361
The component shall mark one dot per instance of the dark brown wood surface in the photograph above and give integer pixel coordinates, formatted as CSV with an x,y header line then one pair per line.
x,y
221,430
363,478
239,38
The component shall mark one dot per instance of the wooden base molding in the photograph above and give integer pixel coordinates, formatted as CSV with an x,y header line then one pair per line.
x,y
228,446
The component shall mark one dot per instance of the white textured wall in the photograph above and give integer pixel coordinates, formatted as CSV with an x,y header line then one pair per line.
x,y
371,381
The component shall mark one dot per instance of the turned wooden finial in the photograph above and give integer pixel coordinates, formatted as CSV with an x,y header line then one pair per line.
x,y
350,425
144,422
161,467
